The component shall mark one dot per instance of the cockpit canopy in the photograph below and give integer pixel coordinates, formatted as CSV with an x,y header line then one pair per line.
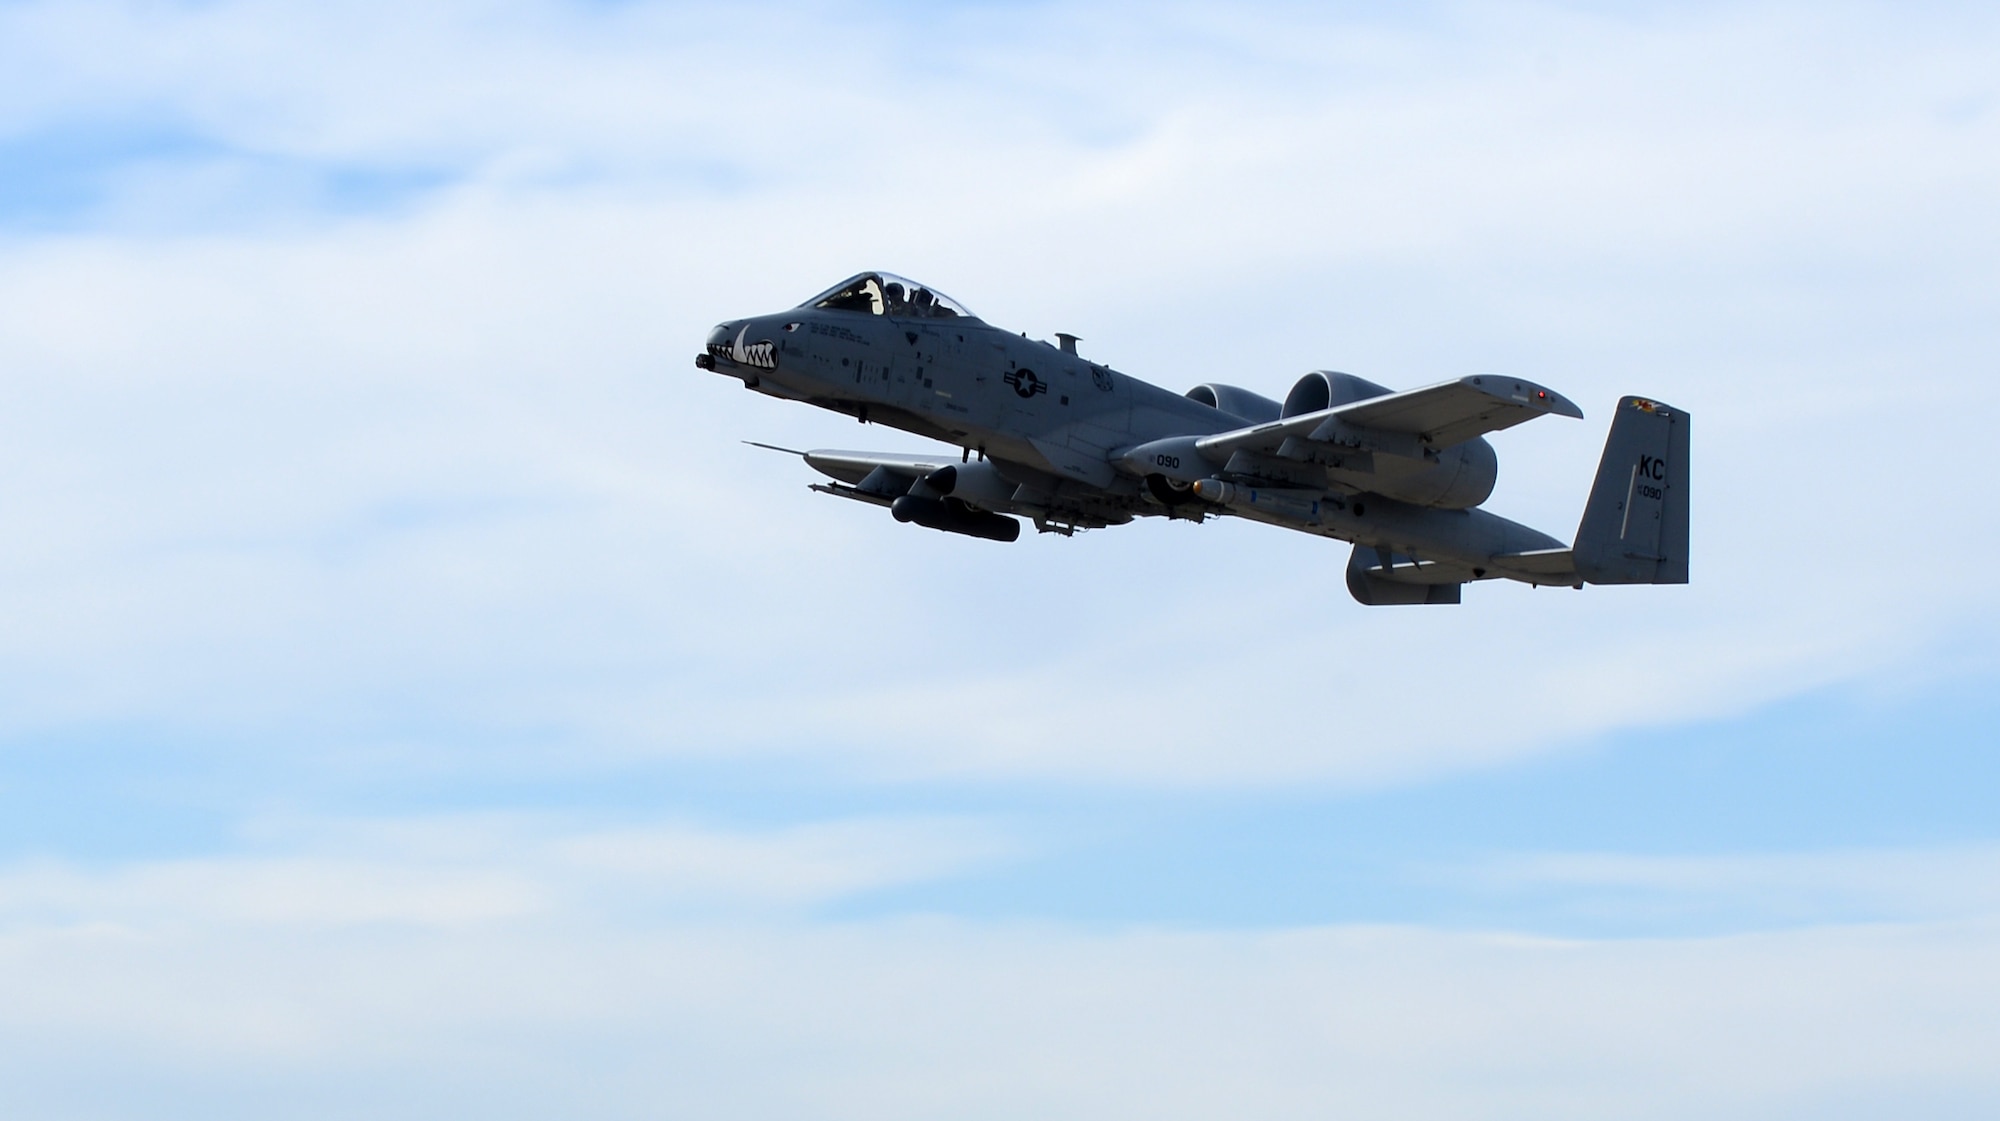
x,y
885,293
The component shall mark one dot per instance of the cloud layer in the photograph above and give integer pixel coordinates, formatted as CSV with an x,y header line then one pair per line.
x,y
506,967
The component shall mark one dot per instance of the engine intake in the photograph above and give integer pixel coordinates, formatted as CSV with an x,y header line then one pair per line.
x,y
1323,389
1236,401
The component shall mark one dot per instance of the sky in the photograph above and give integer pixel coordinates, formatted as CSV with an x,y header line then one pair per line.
x,y
416,700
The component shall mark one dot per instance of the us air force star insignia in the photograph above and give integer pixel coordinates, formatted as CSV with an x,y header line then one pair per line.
x,y
1026,383
1101,378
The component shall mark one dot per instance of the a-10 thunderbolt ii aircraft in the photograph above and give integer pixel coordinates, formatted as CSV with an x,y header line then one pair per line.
x,y
1043,433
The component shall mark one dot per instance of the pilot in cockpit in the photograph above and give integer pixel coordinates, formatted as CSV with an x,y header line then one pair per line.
x,y
877,294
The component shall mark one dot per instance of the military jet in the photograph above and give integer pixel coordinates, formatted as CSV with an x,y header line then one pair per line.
x,y
1043,433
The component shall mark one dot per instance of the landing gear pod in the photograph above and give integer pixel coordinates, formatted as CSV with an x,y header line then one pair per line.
x,y
953,516
1372,578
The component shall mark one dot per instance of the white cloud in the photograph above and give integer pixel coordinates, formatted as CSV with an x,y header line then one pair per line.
x,y
919,1018
456,871
505,965
1936,884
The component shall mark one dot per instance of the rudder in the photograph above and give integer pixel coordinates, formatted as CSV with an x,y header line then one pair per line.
x,y
1635,526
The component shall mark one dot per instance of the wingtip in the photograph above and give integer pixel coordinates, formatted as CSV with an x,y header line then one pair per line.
x,y
1555,403
1524,392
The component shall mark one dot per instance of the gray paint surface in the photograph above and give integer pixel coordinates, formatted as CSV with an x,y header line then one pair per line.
x,y
1041,432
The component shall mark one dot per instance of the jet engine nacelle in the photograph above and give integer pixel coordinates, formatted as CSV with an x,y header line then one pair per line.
x,y
1323,389
1235,400
1458,478
977,484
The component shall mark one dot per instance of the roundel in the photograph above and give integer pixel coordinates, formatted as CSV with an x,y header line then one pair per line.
x,y
1026,383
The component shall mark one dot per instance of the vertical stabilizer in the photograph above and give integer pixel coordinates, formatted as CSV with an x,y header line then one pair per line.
x,y
1635,526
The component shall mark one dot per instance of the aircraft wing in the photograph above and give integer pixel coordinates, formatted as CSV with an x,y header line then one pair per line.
x,y
878,478
1414,423
853,467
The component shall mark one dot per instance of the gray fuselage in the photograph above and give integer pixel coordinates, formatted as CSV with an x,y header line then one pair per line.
x,y
1077,443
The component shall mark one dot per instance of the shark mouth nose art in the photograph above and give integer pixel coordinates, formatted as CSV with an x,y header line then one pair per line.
x,y
763,354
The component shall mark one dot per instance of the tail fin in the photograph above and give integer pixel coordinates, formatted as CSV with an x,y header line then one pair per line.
x,y
1635,526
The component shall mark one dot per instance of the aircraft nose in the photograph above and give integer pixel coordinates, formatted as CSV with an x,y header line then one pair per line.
x,y
740,342
721,340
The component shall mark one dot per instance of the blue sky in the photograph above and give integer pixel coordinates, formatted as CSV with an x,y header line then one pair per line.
x,y
415,699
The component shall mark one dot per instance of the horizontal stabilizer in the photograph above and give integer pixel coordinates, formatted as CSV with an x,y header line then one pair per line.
x,y
1545,567
1539,562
